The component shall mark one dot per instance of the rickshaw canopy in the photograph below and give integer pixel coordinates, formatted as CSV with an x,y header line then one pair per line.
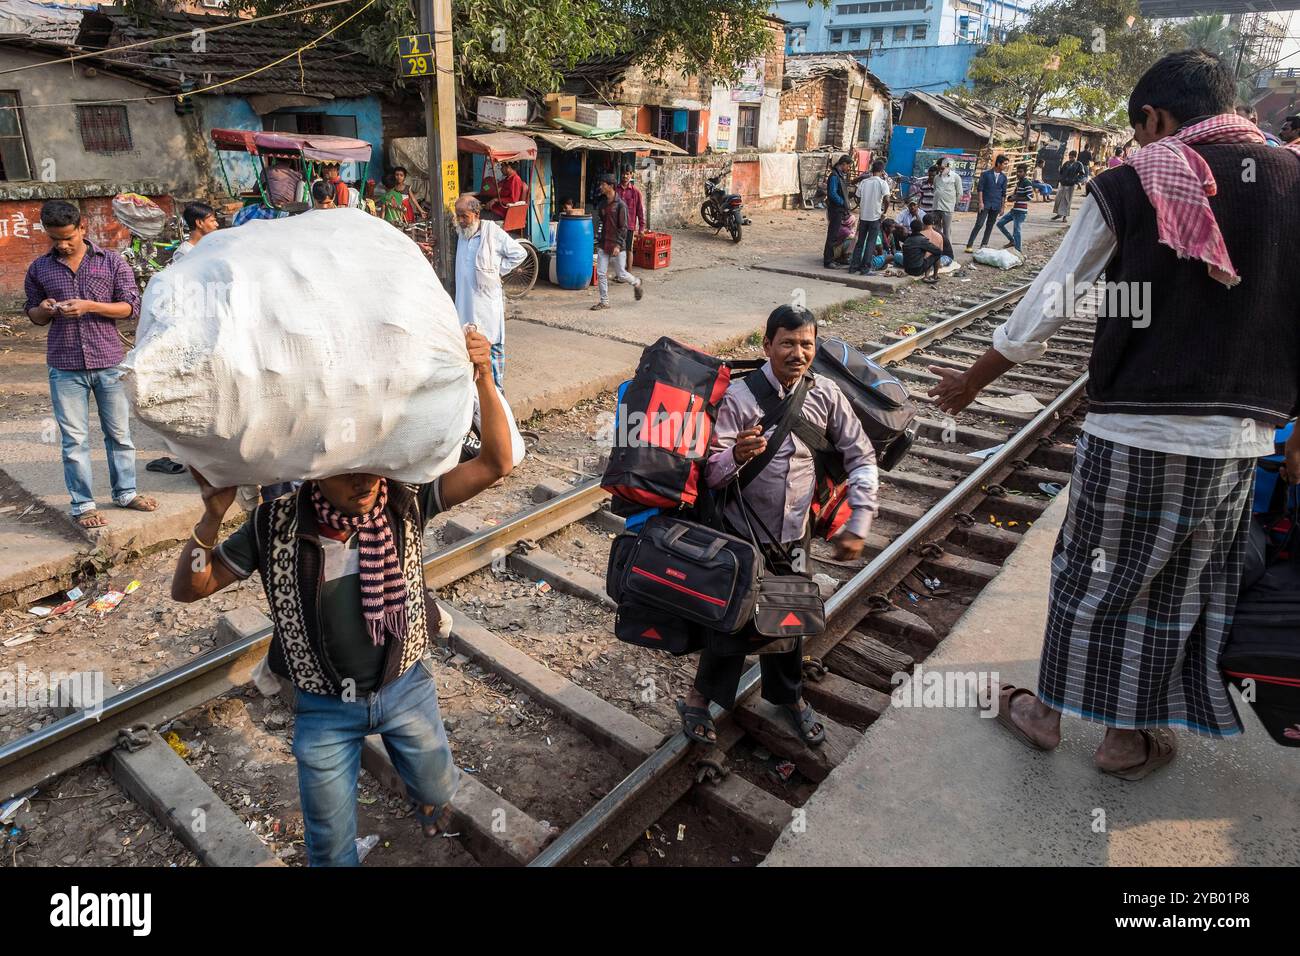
x,y
499,147
336,149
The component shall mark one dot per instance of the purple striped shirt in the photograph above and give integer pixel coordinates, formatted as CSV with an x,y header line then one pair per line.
x,y
91,341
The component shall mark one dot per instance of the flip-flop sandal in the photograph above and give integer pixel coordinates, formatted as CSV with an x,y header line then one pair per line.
x,y
101,523
1049,488
803,722
165,466
697,718
1162,747
137,504
1006,694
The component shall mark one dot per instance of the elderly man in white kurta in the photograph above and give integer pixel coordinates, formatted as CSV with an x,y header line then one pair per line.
x,y
484,253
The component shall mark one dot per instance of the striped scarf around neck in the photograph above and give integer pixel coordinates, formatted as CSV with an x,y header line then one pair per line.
x,y
1178,181
383,589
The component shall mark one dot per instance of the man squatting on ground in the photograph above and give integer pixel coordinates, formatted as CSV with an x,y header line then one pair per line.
x,y
780,497
1183,399
341,562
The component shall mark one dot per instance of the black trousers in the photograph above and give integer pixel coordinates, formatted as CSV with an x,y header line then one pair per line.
x,y
931,263
834,219
718,675
986,217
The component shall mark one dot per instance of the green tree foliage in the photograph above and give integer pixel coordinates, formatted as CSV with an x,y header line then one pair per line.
x,y
511,47
1028,76
1123,42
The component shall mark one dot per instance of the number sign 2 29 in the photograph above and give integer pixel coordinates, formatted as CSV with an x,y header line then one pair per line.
x,y
415,55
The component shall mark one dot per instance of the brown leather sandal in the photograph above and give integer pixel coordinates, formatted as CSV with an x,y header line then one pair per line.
x,y
1162,747
1007,693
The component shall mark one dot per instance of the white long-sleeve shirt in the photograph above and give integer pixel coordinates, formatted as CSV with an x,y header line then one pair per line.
x,y
947,191
1088,246
478,279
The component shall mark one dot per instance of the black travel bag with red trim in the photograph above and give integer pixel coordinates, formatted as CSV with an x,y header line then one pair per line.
x,y
1262,655
663,427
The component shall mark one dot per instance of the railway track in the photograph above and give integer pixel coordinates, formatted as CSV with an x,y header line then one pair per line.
x,y
946,516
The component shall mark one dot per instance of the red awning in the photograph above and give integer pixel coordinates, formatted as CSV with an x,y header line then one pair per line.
x,y
338,149
499,147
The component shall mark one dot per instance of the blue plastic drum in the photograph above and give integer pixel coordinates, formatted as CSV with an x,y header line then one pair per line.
x,y
575,241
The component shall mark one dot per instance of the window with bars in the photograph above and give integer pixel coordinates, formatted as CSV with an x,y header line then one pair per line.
x,y
747,128
900,34
877,34
13,147
837,36
104,128
918,31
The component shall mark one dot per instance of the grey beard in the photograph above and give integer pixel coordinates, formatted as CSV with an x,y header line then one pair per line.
x,y
469,233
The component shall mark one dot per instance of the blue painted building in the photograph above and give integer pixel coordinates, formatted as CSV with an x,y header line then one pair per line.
x,y
910,44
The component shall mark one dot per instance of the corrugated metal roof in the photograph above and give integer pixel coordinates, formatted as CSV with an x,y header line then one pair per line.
x,y
976,120
328,70
629,141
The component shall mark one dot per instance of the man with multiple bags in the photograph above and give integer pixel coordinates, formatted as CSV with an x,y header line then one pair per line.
x,y
725,573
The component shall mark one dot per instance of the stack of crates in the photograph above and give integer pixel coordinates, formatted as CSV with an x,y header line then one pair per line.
x,y
652,250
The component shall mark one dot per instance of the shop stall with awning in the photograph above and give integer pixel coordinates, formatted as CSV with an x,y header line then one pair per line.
x,y
309,153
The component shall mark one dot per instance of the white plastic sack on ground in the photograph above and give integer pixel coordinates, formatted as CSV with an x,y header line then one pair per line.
x,y
304,347
1001,258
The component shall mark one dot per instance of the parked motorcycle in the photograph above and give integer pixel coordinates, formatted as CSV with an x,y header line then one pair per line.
x,y
721,209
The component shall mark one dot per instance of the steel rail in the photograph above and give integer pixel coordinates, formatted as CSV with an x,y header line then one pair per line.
x,y
478,550
442,567
945,327
565,847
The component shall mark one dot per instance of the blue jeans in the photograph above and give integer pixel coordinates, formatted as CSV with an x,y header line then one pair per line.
x,y
70,398
1015,217
327,737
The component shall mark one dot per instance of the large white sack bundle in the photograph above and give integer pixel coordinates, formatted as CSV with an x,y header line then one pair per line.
x,y
304,347
999,258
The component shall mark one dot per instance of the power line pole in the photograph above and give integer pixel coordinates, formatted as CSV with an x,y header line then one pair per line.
x,y
440,129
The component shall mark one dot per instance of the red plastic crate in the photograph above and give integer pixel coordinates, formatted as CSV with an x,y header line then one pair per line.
x,y
653,250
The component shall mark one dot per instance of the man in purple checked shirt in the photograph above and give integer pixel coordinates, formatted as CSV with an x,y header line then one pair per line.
x,y
81,292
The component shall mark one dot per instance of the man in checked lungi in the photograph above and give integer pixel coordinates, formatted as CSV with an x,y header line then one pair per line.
x,y
1196,360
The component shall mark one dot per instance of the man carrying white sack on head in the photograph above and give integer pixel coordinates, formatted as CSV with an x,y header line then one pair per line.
x,y
484,253
341,562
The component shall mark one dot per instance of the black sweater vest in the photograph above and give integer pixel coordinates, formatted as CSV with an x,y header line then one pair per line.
x,y
1202,348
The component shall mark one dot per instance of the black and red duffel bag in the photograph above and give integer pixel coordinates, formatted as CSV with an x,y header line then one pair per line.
x,y
1262,656
687,569
664,424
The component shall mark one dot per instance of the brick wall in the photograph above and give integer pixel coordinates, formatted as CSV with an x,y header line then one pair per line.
x,y
22,239
676,189
675,186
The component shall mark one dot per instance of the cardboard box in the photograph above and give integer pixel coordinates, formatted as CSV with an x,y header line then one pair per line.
x,y
495,109
601,117
559,106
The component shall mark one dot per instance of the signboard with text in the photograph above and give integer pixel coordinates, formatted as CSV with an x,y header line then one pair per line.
x,y
749,88
415,55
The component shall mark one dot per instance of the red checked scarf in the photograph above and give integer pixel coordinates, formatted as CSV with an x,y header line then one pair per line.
x,y
383,589
1178,181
